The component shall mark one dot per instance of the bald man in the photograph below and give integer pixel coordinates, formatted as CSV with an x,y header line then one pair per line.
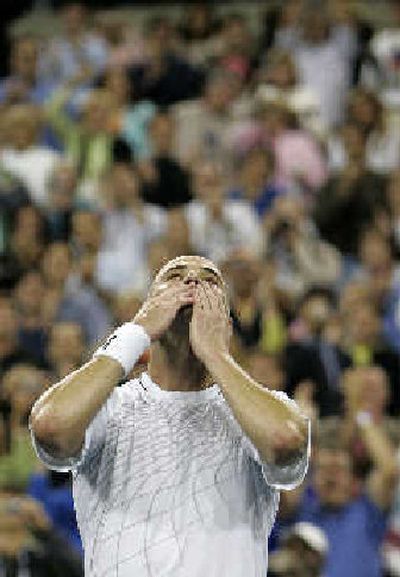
x,y
176,473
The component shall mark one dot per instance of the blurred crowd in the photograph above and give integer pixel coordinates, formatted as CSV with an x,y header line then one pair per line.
x,y
276,153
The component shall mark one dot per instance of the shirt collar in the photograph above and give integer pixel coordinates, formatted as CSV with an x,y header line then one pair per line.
x,y
154,391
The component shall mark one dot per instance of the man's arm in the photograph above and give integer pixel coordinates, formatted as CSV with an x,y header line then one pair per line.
x,y
62,414
365,419
276,428
383,479
60,417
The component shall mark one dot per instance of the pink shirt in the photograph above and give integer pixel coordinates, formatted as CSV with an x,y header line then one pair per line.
x,y
296,153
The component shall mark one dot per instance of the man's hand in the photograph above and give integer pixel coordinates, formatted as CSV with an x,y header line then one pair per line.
x,y
159,309
18,517
33,514
210,328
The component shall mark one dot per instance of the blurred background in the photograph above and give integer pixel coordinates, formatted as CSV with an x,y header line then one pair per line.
x,y
263,135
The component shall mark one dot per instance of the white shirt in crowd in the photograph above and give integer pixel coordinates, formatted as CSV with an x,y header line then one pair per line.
x,y
122,259
382,152
324,70
239,228
33,167
168,485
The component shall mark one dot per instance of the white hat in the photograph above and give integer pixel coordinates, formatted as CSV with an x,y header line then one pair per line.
x,y
312,535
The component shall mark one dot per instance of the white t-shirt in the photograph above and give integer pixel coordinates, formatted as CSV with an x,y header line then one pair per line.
x,y
33,167
239,228
122,258
168,485
324,70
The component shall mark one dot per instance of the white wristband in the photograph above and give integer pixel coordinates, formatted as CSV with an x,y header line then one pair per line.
x,y
125,345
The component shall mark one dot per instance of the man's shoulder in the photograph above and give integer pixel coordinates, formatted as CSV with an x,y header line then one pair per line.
x,y
128,391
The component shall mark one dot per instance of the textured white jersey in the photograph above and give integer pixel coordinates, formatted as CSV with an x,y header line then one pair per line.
x,y
167,485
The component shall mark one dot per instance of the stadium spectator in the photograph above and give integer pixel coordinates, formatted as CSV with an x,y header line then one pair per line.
x,y
322,64
23,84
164,78
26,240
364,341
278,78
62,194
204,126
302,554
382,140
310,356
28,298
129,226
199,33
68,299
255,180
366,389
302,258
76,51
30,544
219,225
166,182
11,352
238,45
300,166
22,384
132,115
353,519
89,143
381,71
382,273
66,348
353,194
23,156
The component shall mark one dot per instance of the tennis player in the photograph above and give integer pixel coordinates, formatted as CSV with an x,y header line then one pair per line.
x,y
176,473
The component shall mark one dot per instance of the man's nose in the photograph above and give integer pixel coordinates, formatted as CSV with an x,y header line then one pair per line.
x,y
191,279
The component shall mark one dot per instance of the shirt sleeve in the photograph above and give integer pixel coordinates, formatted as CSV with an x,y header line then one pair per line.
x,y
94,441
288,476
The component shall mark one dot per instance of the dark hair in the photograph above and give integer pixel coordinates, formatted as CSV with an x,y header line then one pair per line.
x,y
318,291
374,100
155,22
267,152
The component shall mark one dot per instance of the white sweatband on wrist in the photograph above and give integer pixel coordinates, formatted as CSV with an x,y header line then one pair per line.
x,y
125,345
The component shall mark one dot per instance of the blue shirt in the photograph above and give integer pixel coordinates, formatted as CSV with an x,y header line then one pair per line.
x,y
58,504
263,203
38,94
355,533
391,318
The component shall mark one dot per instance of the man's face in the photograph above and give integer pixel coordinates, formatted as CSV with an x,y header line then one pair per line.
x,y
191,271
24,59
333,477
316,312
66,342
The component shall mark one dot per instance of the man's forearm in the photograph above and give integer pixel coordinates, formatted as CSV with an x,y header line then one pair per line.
x,y
378,444
277,430
61,416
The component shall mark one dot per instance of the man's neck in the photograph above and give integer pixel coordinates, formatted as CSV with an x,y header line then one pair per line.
x,y
177,377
